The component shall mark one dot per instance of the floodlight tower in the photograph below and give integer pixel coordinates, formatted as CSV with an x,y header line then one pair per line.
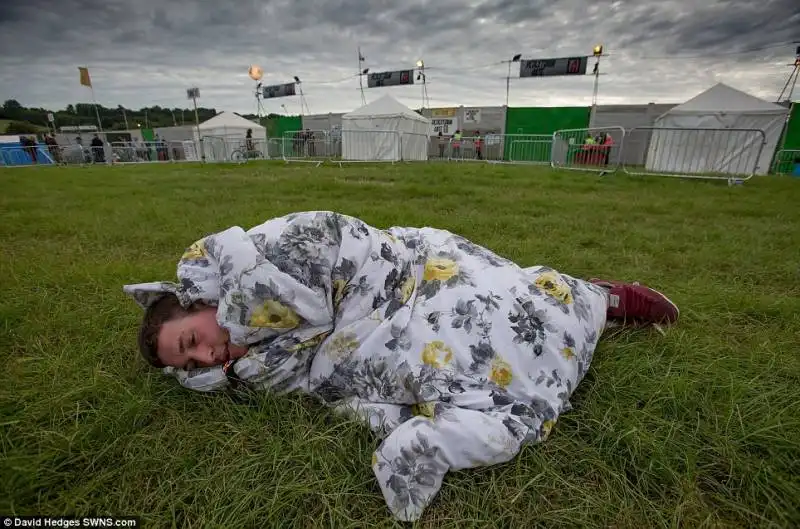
x,y
193,94
256,74
361,73
597,52
424,78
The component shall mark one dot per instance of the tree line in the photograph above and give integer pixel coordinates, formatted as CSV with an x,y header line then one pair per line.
x,y
110,118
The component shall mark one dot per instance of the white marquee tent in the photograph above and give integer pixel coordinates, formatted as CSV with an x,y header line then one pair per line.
x,y
225,132
384,130
719,150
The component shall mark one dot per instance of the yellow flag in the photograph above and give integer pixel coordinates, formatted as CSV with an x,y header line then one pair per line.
x,y
85,80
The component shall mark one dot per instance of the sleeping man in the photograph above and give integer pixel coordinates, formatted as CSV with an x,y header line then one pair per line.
x,y
454,356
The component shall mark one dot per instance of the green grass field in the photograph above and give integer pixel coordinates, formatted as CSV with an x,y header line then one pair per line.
x,y
699,428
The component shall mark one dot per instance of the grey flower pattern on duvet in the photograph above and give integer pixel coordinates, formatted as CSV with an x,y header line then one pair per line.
x,y
454,356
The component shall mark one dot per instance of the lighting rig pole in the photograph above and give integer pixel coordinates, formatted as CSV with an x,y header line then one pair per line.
x,y
597,52
361,73
515,58
424,78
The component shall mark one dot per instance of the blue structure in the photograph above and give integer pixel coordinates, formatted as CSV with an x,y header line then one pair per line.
x,y
15,154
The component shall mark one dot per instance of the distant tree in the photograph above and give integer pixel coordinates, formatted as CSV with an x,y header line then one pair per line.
x,y
111,118
12,109
21,127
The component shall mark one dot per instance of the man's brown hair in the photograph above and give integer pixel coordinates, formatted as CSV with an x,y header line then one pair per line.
x,y
167,308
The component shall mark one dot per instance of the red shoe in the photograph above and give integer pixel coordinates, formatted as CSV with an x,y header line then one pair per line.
x,y
633,302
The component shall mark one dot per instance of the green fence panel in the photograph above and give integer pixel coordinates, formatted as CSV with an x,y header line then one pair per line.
x,y
526,126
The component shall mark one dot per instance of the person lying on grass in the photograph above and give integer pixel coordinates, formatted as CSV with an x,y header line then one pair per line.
x,y
453,355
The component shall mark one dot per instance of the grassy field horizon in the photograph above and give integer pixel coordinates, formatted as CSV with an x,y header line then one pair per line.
x,y
698,428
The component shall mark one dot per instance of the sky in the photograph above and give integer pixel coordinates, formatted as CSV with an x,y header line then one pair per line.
x,y
148,52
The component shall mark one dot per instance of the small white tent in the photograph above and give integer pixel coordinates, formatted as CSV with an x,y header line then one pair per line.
x,y
717,149
384,130
223,133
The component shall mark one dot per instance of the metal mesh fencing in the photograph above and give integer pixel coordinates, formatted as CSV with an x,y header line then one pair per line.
x,y
591,149
706,153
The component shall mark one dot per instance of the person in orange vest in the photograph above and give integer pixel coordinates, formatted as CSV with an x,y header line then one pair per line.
x,y
478,145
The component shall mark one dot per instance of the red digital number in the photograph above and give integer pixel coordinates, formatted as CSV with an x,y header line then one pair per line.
x,y
574,66
404,77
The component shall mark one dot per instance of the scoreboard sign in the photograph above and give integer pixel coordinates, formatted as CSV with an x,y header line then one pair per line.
x,y
278,90
396,78
551,67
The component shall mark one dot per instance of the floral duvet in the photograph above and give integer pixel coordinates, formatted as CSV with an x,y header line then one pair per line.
x,y
453,355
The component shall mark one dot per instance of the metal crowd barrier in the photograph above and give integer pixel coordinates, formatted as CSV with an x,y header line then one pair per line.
x,y
705,153
591,149
414,147
306,146
529,148
786,162
128,152
220,149
470,149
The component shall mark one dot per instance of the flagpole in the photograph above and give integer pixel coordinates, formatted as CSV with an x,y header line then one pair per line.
x,y
94,102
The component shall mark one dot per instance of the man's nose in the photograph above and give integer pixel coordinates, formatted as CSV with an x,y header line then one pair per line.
x,y
202,354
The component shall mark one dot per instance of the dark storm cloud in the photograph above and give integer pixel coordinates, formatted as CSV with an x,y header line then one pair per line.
x,y
144,52
726,26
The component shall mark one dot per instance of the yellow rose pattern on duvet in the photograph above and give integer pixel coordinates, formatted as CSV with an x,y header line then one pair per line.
x,y
454,356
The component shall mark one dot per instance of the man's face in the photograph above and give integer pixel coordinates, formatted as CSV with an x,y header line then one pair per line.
x,y
196,340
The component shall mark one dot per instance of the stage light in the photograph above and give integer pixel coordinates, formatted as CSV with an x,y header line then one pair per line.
x,y
420,64
296,79
255,72
597,51
365,72
516,57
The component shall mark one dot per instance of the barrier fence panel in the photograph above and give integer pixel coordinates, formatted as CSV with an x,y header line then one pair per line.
x,y
273,149
592,149
309,146
370,146
474,149
787,161
438,148
706,153
493,148
528,148
73,154
124,152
